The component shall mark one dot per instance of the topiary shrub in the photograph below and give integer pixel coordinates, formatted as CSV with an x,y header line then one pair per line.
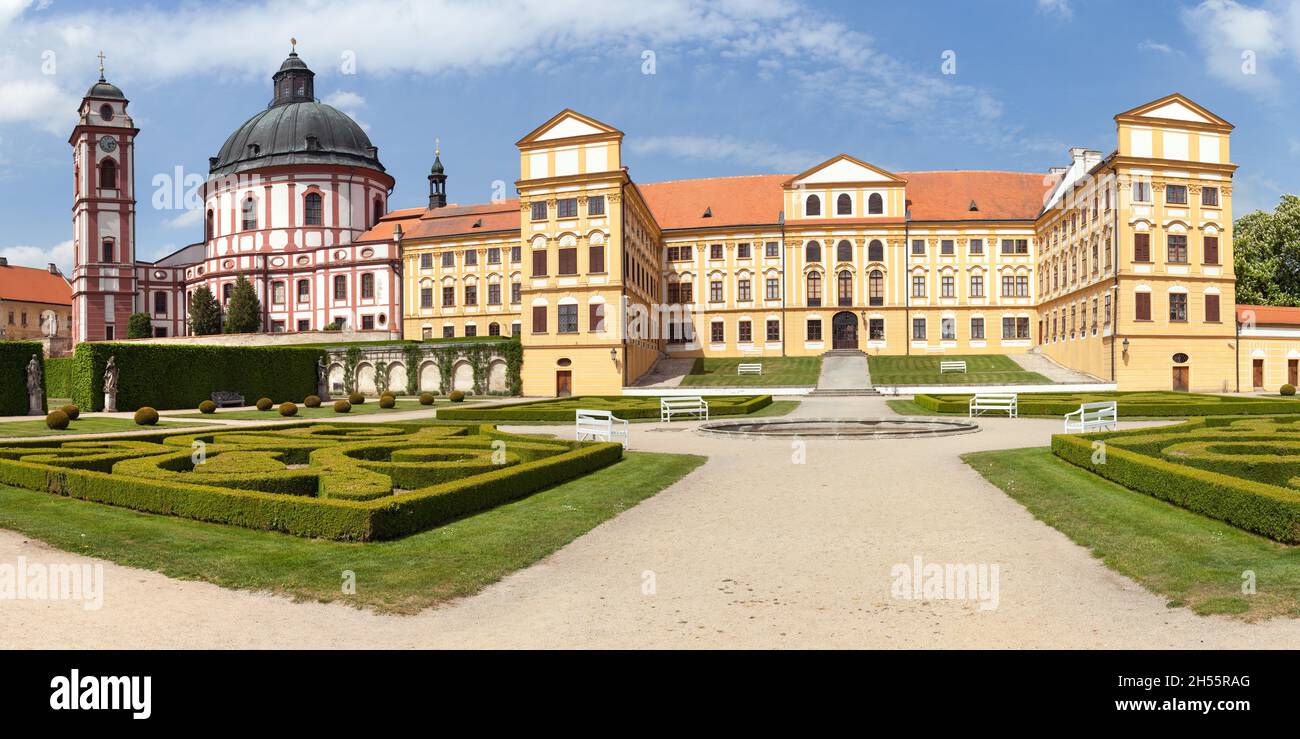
x,y
426,398
264,404
312,401
207,406
1288,389
388,394
387,401
146,416
456,396
288,409
57,420
73,411
342,406
356,399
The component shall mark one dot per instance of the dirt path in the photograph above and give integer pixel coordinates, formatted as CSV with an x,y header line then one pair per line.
x,y
752,550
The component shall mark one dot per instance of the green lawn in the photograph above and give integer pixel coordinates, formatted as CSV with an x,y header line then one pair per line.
x,y
402,576
626,407
1194,561
981,369
1130,404
777,372
83,425
776,408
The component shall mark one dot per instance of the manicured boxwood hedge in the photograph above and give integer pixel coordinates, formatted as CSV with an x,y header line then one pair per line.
x,y
1131,404
1220,490
58,377
14,356
253,488
561,410
167,376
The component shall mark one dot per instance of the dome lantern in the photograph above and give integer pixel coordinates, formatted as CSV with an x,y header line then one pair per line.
x,y
295,82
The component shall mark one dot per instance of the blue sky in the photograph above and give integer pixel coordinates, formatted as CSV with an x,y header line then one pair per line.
x,y
739,86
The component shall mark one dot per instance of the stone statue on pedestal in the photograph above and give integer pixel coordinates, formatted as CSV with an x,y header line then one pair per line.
x,y
322,380
35,388
110,385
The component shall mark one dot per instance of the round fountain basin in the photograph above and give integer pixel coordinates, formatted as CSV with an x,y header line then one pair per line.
x,y
896,427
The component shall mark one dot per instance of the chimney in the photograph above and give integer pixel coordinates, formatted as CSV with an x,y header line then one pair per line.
x,y
54,268
1091,158
1057,170
4,261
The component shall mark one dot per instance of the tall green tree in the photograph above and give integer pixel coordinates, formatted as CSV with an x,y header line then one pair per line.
x,y
244,314
1266,249
205,313
139,326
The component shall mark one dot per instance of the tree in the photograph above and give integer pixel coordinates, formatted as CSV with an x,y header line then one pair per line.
x,y
205,313
139,326
244,314
1266,249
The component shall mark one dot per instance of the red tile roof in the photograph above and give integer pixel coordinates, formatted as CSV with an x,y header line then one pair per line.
x,y
33,285
757,200
1270,315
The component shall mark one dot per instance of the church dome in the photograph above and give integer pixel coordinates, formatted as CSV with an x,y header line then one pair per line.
x,y
295,129
102,90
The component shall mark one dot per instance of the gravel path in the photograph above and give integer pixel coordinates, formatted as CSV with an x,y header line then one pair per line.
x,y
751,550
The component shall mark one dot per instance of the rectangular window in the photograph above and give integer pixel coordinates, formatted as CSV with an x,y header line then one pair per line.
x,y
1106,309
514,293
1141,191
368,286
876,329
1142,247
918,286
566,208
448,332
1210,197
715,291
1008,286
772,250
1177,244
494,294
471,258
494,256
977,286
918,329
304,291
946,248
539,319
773,289
948,329
539,211
449,259
1142,306
1022,286
426,297
1015,246
1022,327
596,317
715,251
539,263
717,332
569,261
1211,308
745,332
1008,327
1211,249
976,328
976,246
340,288
368,323
596,259
1176,194
109,332
567,319
918,247
814,329
160,299
304,325
471,329
596,205
448,296
1178,306
948,286
742,251
516,255
773,330
742,291
426,260
471,295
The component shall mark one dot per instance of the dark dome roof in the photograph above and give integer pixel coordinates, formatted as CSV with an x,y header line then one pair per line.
x,y
279,136
104,89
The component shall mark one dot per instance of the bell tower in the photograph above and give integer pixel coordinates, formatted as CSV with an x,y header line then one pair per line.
x,y
437,180
103,214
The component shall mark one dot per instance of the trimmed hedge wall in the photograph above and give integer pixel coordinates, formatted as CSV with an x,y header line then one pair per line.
x,y
1270,510
168,377
58,377
14,356
1134,404
561,410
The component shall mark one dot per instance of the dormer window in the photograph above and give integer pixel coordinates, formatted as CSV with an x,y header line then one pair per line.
x,y
254,149
106,112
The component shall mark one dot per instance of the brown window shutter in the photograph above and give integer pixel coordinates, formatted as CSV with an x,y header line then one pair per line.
x,y
539,319
539,263
597,258
1212,308
596,317
1142,302
1211,249
1141,247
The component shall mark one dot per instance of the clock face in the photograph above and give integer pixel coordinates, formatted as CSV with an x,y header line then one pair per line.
x,y
107,144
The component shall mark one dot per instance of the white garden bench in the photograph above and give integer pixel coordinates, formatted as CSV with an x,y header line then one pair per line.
x,y
1093,416
981,402
687,405
749,368
955,366
600,426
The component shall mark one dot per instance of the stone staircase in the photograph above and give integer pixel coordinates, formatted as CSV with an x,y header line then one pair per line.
x,y
844,374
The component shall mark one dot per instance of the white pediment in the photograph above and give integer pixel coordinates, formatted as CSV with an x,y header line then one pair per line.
x,y
567,127
1176,111
844,169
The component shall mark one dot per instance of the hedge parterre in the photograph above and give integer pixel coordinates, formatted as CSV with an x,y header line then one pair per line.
x,y
1132,404
561,410
1245,471
347,481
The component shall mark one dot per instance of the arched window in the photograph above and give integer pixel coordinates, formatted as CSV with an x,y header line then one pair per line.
x,y
814,289
107,250
377,211
814,206
312,212
846,287
875,251
875,204
209,227
340,287
844,205
844,251
108,174
812,252
248,221
494,329
876,287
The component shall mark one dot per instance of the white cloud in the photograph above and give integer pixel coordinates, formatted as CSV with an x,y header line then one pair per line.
x,y
38,101
349,102
1231,34
1149,45
1058,8
185,219
726,149
34,256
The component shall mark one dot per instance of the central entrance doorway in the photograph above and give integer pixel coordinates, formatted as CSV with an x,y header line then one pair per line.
x,y
844,331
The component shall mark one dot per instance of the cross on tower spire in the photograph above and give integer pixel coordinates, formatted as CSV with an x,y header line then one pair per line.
x,y
101,65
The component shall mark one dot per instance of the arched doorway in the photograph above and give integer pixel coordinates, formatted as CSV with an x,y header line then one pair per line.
x,y
844,331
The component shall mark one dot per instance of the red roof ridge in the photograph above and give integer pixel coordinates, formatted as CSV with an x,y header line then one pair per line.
x,y
713,179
